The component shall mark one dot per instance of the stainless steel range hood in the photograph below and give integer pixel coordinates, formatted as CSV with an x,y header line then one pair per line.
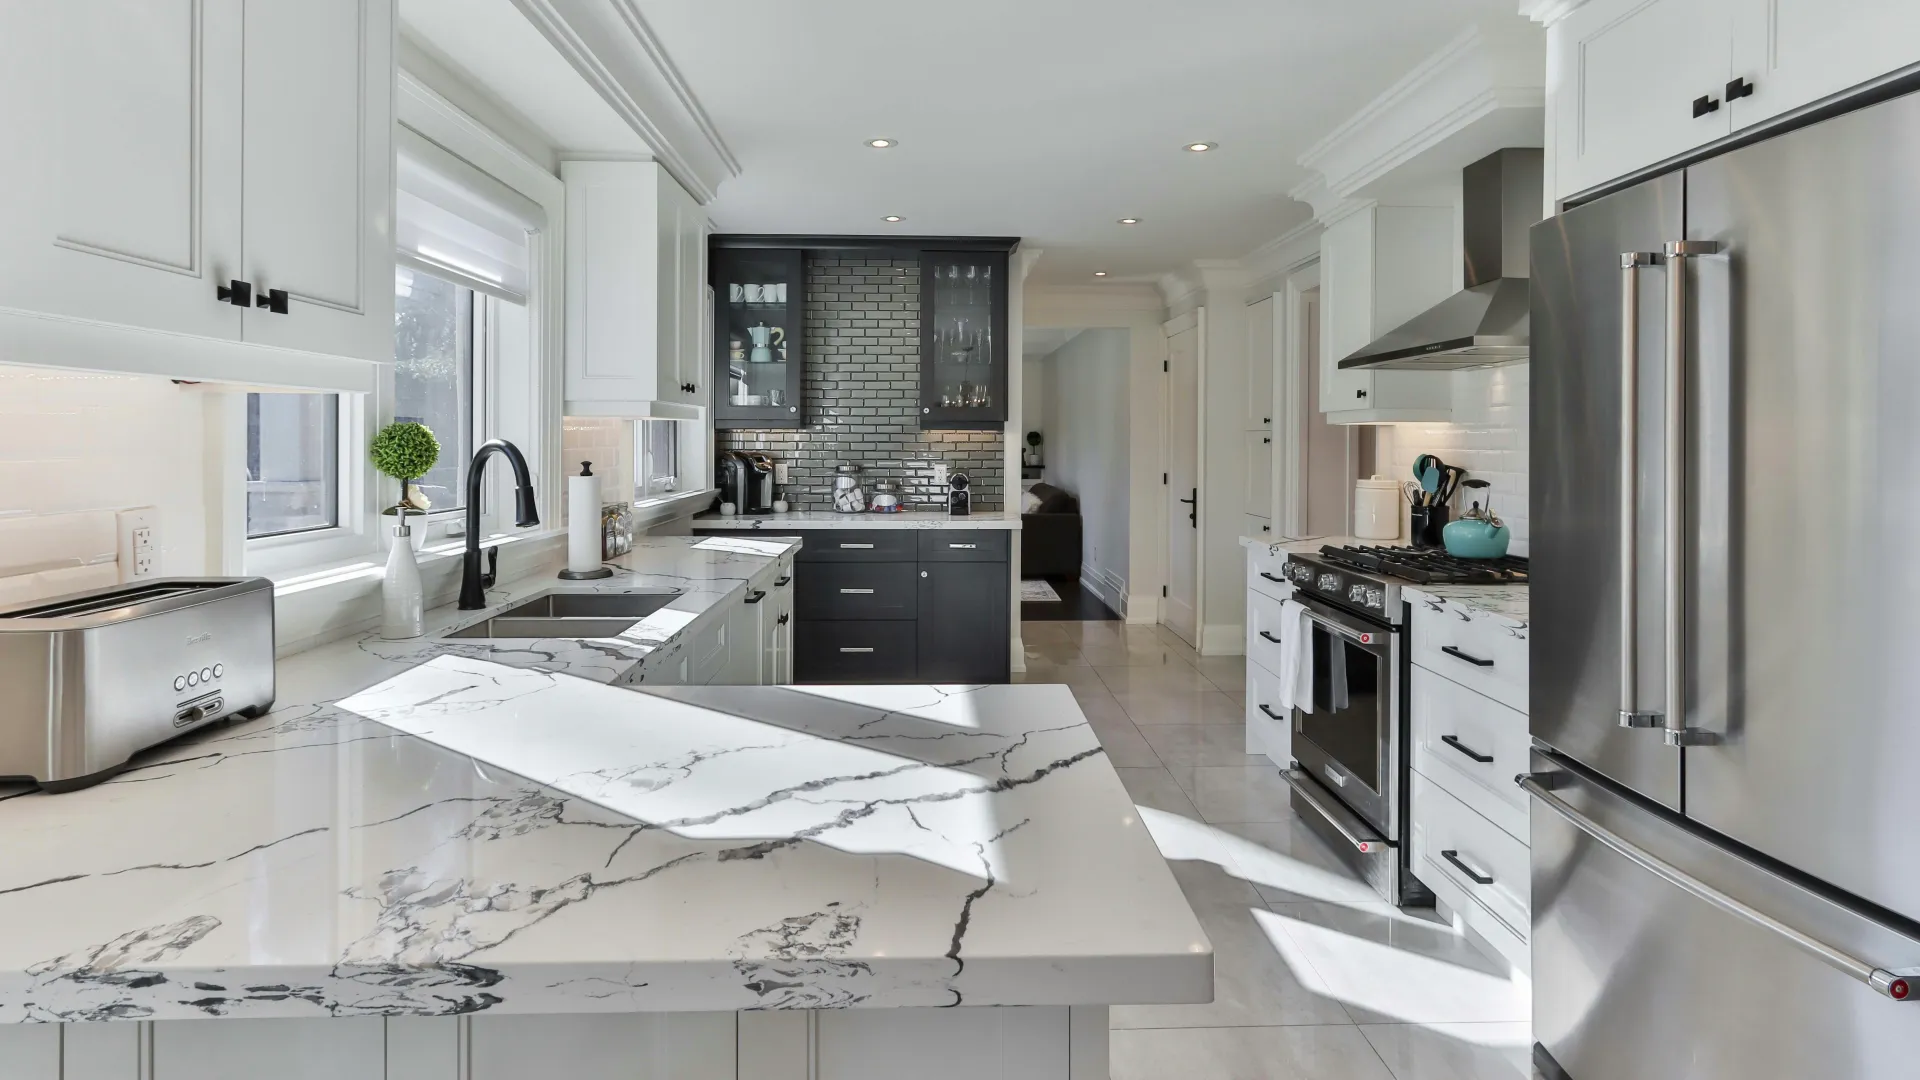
x,y
1485,323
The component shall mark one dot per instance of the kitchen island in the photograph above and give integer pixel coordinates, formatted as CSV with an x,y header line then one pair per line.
x,y
477,861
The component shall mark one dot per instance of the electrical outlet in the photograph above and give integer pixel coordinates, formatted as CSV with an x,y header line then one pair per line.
x,y
780,473
940,474
139,542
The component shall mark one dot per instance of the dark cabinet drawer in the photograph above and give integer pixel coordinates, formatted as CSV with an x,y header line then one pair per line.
x,y
857,545
964,545
964,626
829,652
871,590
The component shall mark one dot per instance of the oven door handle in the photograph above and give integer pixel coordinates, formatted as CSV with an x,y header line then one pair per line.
x,y
1339,628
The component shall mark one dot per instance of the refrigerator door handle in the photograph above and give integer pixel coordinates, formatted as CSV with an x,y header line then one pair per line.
x,y
1631,715
1678,252
1880,980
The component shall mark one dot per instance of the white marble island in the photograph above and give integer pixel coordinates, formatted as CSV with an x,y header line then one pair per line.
x,y
466,863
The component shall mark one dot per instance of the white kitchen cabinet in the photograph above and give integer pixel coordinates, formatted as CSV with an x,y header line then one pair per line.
x,y
166,147
29,1052
636,292
1797,51
1257,498
1262,359
776,629
1379,267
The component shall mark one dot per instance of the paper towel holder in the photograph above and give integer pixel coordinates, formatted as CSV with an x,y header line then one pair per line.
x,y
586,469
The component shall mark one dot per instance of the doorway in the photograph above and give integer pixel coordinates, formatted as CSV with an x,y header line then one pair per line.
x,y
1181,610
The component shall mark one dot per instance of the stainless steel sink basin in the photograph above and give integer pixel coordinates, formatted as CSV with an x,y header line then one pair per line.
x,y
572,615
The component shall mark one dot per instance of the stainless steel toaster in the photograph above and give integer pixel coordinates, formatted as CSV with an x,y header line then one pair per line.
x,y
90,679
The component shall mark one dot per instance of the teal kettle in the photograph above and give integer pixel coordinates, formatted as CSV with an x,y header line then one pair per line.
x,y
1479,534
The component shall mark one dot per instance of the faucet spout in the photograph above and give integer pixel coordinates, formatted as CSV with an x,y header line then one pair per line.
x,y
474,584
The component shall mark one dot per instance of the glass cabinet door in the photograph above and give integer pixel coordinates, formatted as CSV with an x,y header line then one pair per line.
x,y
963,333
759,303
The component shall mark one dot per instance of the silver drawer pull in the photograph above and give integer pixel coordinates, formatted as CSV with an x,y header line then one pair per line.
x,y
967,546
848,648
863,546
858,592
1880,980
1453,856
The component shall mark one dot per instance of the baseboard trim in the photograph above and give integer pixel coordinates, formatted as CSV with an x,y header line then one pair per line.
x,y
1223,639
1114,597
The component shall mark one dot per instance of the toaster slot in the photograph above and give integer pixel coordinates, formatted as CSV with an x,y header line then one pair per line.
x,y
204,709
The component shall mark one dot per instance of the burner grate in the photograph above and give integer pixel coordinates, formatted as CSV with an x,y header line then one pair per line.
x,y
1424,566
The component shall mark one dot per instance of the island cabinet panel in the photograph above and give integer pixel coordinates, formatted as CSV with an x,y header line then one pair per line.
x,y
333,1049
29,1052
614,1046
854,651
974,1044
963,622
877,590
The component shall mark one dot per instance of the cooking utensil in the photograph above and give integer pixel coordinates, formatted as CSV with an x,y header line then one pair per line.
x,y
1450,477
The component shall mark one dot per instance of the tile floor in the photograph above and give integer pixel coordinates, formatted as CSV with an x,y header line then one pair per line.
x,y
1315,978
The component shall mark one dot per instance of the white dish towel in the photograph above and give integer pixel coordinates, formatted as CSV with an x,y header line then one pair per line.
x,y
1296,657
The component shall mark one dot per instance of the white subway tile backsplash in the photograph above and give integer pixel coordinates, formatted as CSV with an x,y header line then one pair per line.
x,y
1488,438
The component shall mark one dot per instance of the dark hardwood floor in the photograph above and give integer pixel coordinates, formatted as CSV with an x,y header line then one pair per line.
x,y
1076,603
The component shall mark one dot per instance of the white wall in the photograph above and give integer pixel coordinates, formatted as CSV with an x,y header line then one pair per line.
x,y
1488,438
1085,387
1034,403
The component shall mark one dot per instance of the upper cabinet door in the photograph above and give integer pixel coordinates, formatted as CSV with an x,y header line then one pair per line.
x,y
1633,71
1262,359
759,346
1346,299
963,335
318,151
123,178
1792,52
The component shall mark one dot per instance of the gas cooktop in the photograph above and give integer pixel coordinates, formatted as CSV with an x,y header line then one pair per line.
x,y
1428,566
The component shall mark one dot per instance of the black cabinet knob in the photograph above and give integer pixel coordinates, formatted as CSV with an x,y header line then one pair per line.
x,y
274,300
1738,89
236,292
1703,105
1359,393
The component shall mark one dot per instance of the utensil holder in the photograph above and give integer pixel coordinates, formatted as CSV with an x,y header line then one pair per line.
x,y
1426,525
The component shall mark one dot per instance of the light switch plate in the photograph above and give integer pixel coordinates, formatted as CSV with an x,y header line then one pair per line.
x,y
139,542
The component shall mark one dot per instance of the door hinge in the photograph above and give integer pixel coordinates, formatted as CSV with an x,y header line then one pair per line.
x,y
1163,590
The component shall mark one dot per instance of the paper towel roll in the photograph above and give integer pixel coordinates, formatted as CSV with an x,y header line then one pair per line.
x,y
583,522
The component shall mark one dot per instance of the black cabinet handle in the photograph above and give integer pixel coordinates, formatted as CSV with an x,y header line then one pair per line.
x,y
1266,440
1266,419
782,621
756,596
1484,759
1360,393
1270,577
1704,104
1468,657
236,292
1453,857
1271,638
781,583
1739,88
274,300
1273,714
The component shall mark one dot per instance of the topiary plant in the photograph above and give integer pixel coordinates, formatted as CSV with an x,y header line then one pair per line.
x,y
405,451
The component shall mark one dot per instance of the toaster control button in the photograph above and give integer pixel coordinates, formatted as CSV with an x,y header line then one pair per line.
x,y
179,682
221,669
193,678
206,674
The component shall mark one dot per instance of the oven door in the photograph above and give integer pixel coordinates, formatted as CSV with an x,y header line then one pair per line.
x,y
1349,739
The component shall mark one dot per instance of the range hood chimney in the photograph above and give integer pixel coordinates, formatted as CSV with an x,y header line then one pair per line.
x,y
1485,323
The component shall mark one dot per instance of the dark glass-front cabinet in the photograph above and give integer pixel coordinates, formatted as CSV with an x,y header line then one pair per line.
x,y
759,341
963,335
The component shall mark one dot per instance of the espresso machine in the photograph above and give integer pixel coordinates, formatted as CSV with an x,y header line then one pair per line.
x,y
745,479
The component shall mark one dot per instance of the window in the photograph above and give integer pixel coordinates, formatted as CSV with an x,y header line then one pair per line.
x,y
659,458
293,463
434,376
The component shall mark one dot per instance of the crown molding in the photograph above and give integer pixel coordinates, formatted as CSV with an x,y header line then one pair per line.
x,y
1285,253
1548,12
1041,300
611,46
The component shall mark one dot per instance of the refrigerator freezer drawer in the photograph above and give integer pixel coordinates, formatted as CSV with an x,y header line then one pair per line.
x,y
1634,976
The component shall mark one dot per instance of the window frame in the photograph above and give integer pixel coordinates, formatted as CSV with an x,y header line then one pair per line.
x,y
444,526
287,552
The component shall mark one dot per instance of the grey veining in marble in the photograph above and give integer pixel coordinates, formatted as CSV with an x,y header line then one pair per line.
x,y
810,520
1506,604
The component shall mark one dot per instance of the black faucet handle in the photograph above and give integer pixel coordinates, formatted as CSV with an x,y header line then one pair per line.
x,y
492,575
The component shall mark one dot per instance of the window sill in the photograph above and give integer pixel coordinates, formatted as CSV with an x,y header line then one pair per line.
x,y
665,508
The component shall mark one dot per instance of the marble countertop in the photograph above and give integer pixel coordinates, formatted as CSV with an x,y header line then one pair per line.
x,y
808,520
432,828
1505,603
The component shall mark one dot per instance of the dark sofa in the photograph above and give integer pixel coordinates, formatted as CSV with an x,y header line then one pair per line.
x,y
1050,536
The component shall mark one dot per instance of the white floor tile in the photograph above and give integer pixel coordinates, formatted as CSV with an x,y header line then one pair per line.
x,y
1252,984
1454,1051
1388,966
1125,746
1180,707
1173,676
1236,793
1045,632
1289,864
1155,788
1074,675
1228,673
1244,1053
1060,653
1201,744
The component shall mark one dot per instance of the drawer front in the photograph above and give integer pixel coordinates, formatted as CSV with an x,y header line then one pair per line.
x,y
1453,730
878,590
1263,626
1268,730
1473,649
1480,850
839,652
859,545
964,545
1265,573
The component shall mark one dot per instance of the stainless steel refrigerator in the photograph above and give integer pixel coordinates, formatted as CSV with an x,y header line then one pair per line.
x,y
1726,615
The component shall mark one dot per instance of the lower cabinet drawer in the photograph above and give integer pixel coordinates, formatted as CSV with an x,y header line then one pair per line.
x,y
1462,856
1269,727
1266,634
964,545
1471,745
1266,572
877,590
858,545
855,651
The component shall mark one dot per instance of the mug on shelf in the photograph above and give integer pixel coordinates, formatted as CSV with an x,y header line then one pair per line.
x,y
756,294
737,293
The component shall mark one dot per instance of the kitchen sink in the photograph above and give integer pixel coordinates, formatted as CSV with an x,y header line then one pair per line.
x,y
572,615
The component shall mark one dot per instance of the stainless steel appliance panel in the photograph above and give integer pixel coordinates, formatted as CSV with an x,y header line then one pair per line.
x,y
1635,977
1579,337
1351,740
1816,300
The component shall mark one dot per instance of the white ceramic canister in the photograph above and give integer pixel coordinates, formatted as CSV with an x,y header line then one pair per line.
x,y
1376,509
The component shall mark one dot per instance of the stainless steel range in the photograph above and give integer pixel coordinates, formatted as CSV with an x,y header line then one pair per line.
x,y
1350,751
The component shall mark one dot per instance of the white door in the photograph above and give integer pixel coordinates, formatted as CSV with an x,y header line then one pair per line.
x,y
1633,70
1796,51
319,179
1182,608
122,187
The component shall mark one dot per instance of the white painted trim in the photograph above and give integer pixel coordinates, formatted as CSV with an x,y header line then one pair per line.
x,y
1291,402
1282,255
657,53
1548,12
130,350
1105,592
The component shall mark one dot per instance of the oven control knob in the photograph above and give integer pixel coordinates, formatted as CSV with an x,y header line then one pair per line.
x,y
1375,598
1329,583
1357,593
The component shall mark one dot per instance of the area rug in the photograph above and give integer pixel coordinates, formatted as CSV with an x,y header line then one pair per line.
x,y
1037,590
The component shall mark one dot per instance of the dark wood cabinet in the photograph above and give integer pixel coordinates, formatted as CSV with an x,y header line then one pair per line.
x,y
759,340
963,337
963,630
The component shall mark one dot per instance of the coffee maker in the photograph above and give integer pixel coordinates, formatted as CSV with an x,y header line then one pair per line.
x,y
745,479
959,500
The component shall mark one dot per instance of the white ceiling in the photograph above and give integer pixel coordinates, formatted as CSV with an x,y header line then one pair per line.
x,y
1044,119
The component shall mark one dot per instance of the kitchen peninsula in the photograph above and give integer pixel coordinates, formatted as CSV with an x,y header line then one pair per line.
x,y
466,858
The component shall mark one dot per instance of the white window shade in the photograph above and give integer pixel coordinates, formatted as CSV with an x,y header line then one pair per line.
x,y
455,222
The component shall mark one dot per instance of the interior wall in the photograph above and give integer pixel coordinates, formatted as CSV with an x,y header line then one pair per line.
x,y
1089,400
1034,403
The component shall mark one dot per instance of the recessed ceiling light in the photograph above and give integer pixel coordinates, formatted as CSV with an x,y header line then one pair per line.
x,y
883,144
1099,273
1201,147
893,217
1129,221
